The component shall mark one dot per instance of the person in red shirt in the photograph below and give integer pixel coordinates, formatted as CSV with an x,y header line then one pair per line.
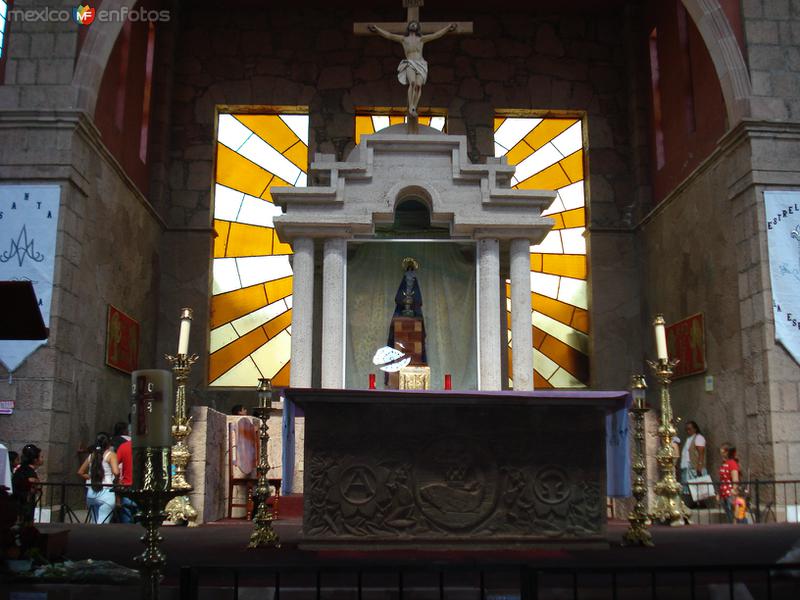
x,y
125,458
728,479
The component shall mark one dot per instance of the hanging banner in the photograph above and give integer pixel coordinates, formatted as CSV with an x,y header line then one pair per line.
x,y
28,228
783,241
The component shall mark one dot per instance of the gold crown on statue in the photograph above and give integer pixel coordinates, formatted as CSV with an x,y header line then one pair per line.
x,y
410,262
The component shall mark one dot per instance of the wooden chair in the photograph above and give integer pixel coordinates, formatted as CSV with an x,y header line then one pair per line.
x,y
242,460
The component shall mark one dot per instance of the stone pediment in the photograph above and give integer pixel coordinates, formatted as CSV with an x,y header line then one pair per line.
x,y
473,200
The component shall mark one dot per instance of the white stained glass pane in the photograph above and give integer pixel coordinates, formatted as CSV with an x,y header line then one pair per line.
x,y
565,333
551,244
302,180
380,122
499,150
232,132
273,355
1,40
556,207
512,131
563,379
258,269
574,240
221,336
438,123
243,374
544,365
3,9
544,157
572,195
545,284
258,317
227,203
570,140
256,211
298,124
573,291
226,276
288,301
264,155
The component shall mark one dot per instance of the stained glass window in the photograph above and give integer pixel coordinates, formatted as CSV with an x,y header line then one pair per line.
x,y
3,22
366,124
548,153
251,303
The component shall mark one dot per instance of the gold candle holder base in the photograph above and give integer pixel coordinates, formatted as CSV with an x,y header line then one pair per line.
x,y
180,509
638,533
669,507
150,497
263,535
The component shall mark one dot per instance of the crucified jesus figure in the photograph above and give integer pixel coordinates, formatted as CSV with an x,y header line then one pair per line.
x,y
413,70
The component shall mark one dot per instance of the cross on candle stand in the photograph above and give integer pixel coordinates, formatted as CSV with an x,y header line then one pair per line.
x,y
144,403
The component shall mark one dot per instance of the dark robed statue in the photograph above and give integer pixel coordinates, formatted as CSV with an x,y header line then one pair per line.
x,y
407,330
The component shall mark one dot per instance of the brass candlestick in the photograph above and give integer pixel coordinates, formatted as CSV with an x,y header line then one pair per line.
x,y
637,533
152,493
263,535
180,509
669,507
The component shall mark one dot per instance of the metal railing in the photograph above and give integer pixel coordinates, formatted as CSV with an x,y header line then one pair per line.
x,y
490,582
768,501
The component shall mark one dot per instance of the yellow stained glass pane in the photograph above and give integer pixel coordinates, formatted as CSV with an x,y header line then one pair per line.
x,y
574,218
547,130
551,178
396,119
298,154
278,324
221,230
232,305
278,247
553,308
573,166
275,182
278,289
363,126
236,172
558,270
228,356
568,265
247,345
519,153
248,240
272,129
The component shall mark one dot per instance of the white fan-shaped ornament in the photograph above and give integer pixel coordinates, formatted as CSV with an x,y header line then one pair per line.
x,y
390,359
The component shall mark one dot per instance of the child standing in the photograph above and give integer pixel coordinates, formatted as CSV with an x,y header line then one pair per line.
x,y
728,480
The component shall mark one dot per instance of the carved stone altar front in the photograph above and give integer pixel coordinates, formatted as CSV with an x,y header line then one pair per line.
x,y
443,468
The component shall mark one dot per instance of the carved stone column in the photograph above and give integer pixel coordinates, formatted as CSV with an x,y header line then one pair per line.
x,y
302,311
333,299
489,326
521,328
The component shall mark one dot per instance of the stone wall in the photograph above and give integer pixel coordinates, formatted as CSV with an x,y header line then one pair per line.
x,y
772,37
705,251
106,254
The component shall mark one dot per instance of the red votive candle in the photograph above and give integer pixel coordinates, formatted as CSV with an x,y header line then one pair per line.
x,y
372,381
448,384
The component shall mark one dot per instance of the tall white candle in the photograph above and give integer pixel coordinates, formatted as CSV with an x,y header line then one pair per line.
x,y
661,337
183,338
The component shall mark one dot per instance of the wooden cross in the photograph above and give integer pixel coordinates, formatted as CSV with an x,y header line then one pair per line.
x,y
412,14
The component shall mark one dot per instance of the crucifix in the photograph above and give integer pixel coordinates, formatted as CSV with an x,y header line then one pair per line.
x,y
413,70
